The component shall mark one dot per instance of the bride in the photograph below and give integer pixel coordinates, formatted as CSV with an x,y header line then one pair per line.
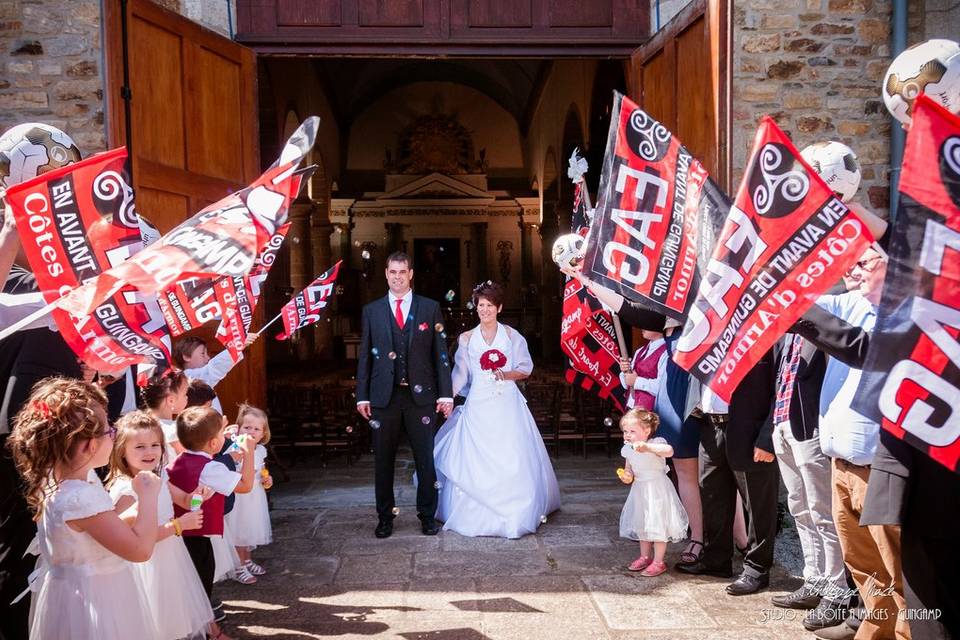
x,y
494,474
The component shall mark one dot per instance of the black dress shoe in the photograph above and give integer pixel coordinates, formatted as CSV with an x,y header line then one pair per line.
x,y
700,569
384,529
802,598
747,584
829,613
429,526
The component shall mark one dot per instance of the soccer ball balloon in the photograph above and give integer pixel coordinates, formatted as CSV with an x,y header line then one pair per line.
x,y
837,165
29,149
568,250
931,67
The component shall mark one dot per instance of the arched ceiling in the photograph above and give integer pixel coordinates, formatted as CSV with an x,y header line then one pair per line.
x,y
353,84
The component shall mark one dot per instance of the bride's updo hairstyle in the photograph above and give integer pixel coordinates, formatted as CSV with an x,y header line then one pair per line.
x,y
489,291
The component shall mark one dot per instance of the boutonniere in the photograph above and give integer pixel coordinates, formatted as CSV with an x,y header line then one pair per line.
x,y
423,326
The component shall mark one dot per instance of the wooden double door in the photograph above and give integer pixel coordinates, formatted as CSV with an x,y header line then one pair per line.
x,y
191,127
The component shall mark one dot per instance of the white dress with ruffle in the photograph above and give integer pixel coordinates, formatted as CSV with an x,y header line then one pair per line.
x,y
250,517
81,589
169,578
653,511
495,475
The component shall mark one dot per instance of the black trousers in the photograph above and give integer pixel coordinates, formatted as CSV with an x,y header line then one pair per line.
x,y
201,553
419,423
719,485
17,529
930,567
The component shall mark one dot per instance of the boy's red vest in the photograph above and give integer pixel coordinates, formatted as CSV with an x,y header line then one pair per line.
x,y
184,474
645,366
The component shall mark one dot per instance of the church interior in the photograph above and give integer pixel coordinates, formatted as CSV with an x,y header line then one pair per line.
x,y
460,163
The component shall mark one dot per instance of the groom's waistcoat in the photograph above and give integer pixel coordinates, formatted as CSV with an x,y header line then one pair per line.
x,y
400,341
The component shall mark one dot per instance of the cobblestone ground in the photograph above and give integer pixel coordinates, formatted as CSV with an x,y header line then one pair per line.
x,y
330,578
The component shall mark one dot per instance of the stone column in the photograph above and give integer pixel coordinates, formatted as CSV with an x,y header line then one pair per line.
x,y
394,232
478,238
301,267
320,232
551,288
526,252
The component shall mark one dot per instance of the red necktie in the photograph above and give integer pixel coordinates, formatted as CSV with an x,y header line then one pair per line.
x,y
399,314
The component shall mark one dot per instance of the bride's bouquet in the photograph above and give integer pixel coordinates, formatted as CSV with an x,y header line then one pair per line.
x,y
491,361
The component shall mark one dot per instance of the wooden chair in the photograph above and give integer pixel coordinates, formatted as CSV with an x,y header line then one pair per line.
x,y
567,416
542,401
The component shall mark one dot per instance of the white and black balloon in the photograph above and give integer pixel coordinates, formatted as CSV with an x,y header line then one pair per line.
x,y
931,67
568,250
32,148
837,165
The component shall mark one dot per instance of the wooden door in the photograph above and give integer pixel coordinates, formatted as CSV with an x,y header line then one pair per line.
x,y
192,132
681,77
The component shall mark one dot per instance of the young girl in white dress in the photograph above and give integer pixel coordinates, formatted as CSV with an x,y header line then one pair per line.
x,y
250,519
85,585
164,395
652,513
178,602
493,472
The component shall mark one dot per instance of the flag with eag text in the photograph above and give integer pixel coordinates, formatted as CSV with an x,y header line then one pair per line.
x,y
911,378
75,223
587,334
305,307
658,215
224,239
786,241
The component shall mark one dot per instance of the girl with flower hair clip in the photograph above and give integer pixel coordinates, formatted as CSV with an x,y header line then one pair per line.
x,y
84,586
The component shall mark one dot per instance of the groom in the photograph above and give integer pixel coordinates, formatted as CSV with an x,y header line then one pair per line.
x,y
403,381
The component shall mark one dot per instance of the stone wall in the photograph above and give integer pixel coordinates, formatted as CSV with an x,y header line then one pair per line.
x,y
51,67
816,66
217,15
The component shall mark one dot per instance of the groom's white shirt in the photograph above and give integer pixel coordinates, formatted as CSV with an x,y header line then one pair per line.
x,y
405,304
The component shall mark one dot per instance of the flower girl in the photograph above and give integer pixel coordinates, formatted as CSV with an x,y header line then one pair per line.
x,y
250,519
84,586
178,602
652,513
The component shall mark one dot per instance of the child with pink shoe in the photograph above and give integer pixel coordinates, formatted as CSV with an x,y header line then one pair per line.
x,y
652,513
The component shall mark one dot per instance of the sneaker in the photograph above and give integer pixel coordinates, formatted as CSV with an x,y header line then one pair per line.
x,y
243,576
829,613
640,563
255,569
803,598
655,568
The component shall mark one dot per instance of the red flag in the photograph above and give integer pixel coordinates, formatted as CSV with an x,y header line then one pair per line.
x,y
658,215
786,241
222,240
304,309
911,378
75,223
587,334
239,298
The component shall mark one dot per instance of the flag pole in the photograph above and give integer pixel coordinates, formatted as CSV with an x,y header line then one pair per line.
x,y
33,317
275,318
617,327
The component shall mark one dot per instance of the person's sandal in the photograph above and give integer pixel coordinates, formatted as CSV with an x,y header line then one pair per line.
x,y
243,576
654,569
689,557
255,569
640,563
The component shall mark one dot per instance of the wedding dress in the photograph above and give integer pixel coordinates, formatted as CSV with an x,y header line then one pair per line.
x,y
494,474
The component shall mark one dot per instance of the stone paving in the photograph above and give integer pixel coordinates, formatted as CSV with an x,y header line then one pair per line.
x,y
329,577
